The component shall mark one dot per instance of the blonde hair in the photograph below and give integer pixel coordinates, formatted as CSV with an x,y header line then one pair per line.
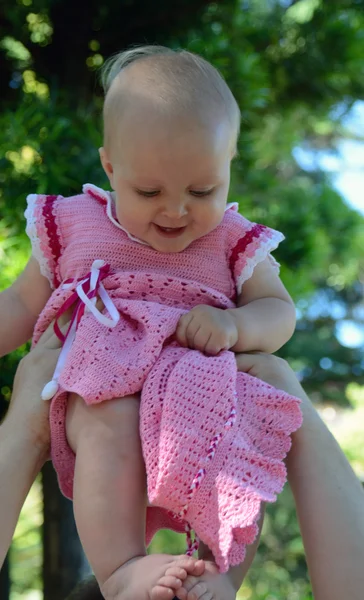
x,y
182,79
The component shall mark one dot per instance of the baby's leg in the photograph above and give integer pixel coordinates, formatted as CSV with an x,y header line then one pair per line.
x,y
109,483
213,585
110,503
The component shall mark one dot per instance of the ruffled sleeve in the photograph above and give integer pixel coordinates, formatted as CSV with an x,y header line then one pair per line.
x,y
44,233
251,244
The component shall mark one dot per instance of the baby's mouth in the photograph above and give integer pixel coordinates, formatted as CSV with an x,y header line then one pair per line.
x,y
169,231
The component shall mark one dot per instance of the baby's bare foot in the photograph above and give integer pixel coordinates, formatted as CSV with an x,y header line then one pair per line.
x,y
155,577
211,585
179,570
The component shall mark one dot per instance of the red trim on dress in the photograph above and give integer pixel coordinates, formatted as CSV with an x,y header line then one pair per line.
x,y
101,199
243,243
52,233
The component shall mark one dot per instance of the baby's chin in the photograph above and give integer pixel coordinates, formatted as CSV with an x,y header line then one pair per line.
x,y
167,249
170,245
175,244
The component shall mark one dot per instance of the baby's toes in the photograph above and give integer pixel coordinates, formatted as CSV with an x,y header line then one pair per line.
x,y
187,586
199,567
170,581
191,565
161,592
181,593
175,571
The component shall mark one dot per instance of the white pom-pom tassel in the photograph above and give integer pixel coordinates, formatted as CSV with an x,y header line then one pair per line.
x,y
50,389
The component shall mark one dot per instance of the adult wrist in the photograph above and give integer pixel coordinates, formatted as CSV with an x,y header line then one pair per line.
x,y
21,438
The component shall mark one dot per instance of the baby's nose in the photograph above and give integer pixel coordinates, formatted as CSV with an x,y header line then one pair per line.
x,y
175,210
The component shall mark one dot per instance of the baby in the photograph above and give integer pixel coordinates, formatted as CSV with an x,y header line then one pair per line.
x,y
184,282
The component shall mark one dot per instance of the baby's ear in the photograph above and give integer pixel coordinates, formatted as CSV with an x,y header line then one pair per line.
x,y
107,165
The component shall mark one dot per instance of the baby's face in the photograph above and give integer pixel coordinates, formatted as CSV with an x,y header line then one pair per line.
x,y
170,180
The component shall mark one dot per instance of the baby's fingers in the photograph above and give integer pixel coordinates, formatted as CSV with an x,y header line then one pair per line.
x,y
196,338
200,339
215,345
181,331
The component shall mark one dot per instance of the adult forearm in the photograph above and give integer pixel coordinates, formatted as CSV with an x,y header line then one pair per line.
x,y
16,323
24,434
330,507
20,461
329,498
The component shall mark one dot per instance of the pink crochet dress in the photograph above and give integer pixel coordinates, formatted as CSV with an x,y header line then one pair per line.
x,y
213,439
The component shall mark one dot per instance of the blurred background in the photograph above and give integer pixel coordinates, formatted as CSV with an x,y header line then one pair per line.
x,y
297,71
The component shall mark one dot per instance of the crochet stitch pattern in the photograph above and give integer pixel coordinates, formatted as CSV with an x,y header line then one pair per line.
x,y
213,439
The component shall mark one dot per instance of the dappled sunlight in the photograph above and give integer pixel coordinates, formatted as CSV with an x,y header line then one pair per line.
x,y
15,49
32,86
40,28
24,160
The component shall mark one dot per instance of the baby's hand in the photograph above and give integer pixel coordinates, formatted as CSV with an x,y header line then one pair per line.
x,y
207,329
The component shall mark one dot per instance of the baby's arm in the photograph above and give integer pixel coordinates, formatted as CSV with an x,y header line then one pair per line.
x,y
265,318
20,306
263,321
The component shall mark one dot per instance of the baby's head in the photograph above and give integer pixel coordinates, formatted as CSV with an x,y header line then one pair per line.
x,y
171,126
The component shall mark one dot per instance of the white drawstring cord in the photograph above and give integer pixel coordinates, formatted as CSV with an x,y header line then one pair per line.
x,y
51,388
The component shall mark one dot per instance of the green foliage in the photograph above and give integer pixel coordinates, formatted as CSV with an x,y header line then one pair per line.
x,y
274,59
26,550
347,427
279,569
46,147
296,70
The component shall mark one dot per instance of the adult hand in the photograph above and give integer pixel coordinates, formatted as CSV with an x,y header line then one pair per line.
x,y
24,433
28,412
272,370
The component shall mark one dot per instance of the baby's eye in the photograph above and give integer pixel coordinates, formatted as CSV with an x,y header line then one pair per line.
x,y
201,193
147,193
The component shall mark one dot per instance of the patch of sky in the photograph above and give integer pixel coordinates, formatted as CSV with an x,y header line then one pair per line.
x,y
350,334
345,164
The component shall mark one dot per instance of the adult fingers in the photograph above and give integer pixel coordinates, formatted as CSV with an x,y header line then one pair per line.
x,y
100,305
49,339
272,370
249,363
